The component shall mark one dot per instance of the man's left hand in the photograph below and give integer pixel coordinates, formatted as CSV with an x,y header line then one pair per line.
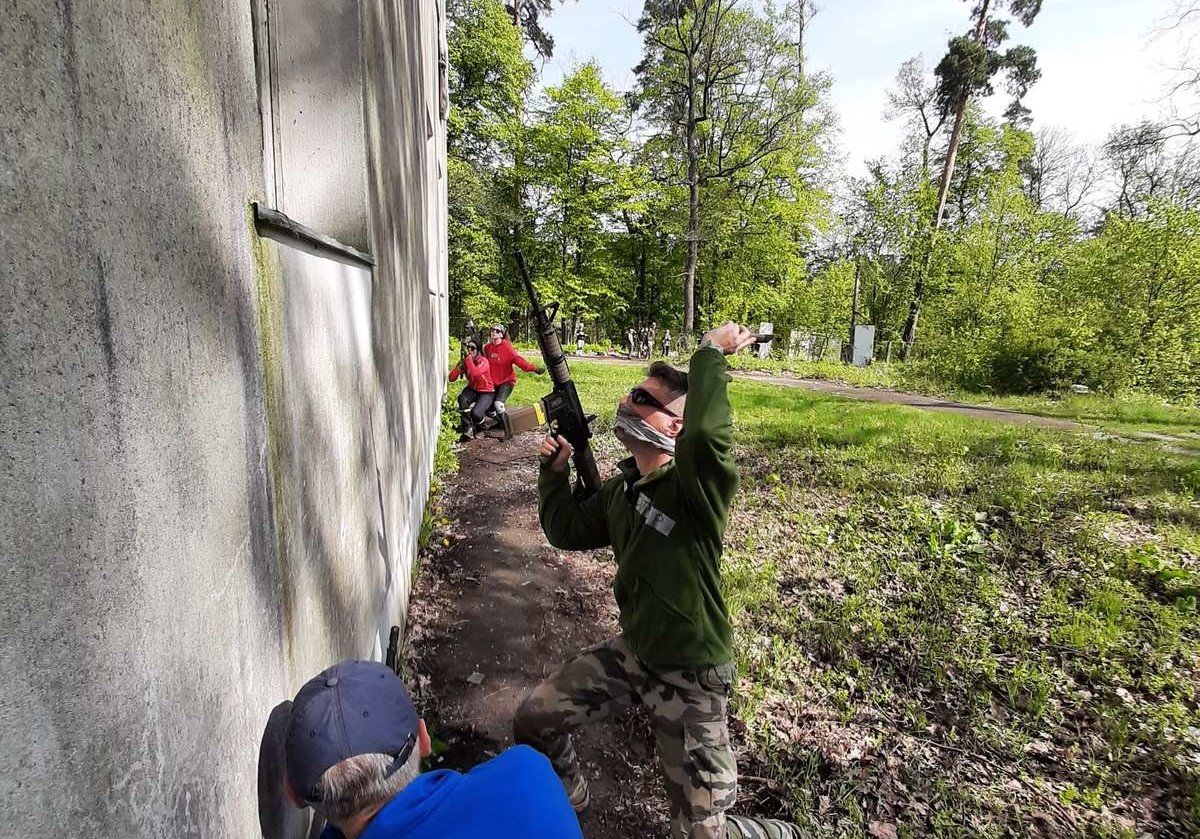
x,y
729,338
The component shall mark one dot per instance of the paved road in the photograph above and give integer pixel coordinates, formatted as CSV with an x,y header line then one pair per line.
x,y
895,397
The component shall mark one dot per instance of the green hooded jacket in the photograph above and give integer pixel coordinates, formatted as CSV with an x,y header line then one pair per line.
x,y
665,530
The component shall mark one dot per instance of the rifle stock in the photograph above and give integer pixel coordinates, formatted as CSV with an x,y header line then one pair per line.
x,y
391,657
564,412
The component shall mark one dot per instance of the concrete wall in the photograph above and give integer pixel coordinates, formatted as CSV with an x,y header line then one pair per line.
x,y
316,128
214,448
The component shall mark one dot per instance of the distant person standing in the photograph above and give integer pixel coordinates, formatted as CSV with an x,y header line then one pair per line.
x,y
502,355
580,340
666,343
630,336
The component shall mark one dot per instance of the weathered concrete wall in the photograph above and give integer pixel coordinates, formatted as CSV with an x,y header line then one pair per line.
x,y
214,449
405,146
317,130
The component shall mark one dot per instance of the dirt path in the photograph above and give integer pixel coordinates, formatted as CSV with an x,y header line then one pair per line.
x,y
496,608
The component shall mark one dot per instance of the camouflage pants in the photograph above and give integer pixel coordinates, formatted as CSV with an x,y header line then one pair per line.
x,y
688,709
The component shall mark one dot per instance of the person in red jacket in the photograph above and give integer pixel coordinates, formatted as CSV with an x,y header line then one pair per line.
x,y
479,394
502,355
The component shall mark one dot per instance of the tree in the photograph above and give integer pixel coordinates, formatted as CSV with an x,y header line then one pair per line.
x,y
1184,91
1145,273
580,185
682,63
527,15
1146,163
722,89
915,101
1060,176
966,71
489,79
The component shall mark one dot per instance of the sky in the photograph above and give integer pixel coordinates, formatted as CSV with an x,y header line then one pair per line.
x,y
1101,62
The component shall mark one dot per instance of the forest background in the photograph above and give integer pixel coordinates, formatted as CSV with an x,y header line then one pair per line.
x,y
990,254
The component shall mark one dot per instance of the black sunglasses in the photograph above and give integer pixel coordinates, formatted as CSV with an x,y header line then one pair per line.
x,y
472,347
640,396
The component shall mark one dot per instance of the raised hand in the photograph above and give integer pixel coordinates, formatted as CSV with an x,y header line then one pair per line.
x,y
729,338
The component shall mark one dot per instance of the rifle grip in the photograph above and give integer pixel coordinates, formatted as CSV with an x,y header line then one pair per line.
x,y
546,460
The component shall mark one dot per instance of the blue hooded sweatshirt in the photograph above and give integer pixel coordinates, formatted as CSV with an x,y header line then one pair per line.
x,y
513,796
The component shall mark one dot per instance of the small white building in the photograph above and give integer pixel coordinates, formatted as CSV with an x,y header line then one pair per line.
x,y
222,354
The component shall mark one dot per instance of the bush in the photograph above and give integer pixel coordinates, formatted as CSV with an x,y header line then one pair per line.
x,y
1036,364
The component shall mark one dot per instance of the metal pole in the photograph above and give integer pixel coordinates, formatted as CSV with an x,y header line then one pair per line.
x,y
848,355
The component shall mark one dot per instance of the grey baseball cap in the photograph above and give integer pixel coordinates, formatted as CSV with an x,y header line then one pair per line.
x,y
353,708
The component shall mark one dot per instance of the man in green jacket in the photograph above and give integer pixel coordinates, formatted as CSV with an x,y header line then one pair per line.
x,y
664,516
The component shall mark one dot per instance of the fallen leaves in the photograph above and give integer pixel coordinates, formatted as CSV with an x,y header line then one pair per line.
x,y
882,830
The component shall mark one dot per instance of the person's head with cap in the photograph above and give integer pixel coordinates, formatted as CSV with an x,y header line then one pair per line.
x,y
499,333
354,740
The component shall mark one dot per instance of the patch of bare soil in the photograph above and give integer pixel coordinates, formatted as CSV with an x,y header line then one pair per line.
x,y
496,609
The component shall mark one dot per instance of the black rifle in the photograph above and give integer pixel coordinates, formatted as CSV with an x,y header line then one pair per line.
x,y
391,658
564,412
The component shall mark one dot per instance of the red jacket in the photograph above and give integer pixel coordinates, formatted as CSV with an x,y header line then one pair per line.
x,y
502,357
479,374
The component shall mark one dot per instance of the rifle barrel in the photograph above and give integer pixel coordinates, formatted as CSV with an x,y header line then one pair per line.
x,y
572,422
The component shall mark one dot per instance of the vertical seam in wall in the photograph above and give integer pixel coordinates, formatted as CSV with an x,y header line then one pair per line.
x,y
279,199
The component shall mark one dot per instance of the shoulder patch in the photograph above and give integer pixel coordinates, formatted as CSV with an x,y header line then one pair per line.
x,y
653,516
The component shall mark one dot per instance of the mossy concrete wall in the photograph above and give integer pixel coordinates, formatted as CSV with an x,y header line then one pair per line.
x,y
214,448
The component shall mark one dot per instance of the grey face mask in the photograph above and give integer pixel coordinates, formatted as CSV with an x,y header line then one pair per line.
x,y
637,429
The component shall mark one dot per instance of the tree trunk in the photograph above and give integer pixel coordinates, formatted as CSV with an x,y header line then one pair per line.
x,y
848,355
693,238
693,227
641,278
960,112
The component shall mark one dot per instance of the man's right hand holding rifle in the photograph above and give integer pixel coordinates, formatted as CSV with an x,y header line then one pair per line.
x,y
664,516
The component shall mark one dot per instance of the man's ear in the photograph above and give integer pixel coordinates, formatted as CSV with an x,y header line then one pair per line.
x,y
675,427
424,744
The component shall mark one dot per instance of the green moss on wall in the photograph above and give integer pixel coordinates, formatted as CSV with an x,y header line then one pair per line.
x,y
268,283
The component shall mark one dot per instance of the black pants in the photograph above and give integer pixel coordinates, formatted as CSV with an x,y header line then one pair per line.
x,y
482,401
503,392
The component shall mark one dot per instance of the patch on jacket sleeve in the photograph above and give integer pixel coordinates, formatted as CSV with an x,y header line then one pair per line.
x,y
654,517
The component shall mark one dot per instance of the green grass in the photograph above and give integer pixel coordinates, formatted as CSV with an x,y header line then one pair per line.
x,y
959,627
971,623
445,463
1131,415
1138,416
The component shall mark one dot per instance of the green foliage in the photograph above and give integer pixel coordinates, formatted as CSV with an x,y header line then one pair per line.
x,y
971,62
580,183
489,81
1021,295
1025,301
751,146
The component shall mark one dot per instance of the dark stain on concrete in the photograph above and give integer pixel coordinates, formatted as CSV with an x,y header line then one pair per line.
x,y
104,321
71,57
